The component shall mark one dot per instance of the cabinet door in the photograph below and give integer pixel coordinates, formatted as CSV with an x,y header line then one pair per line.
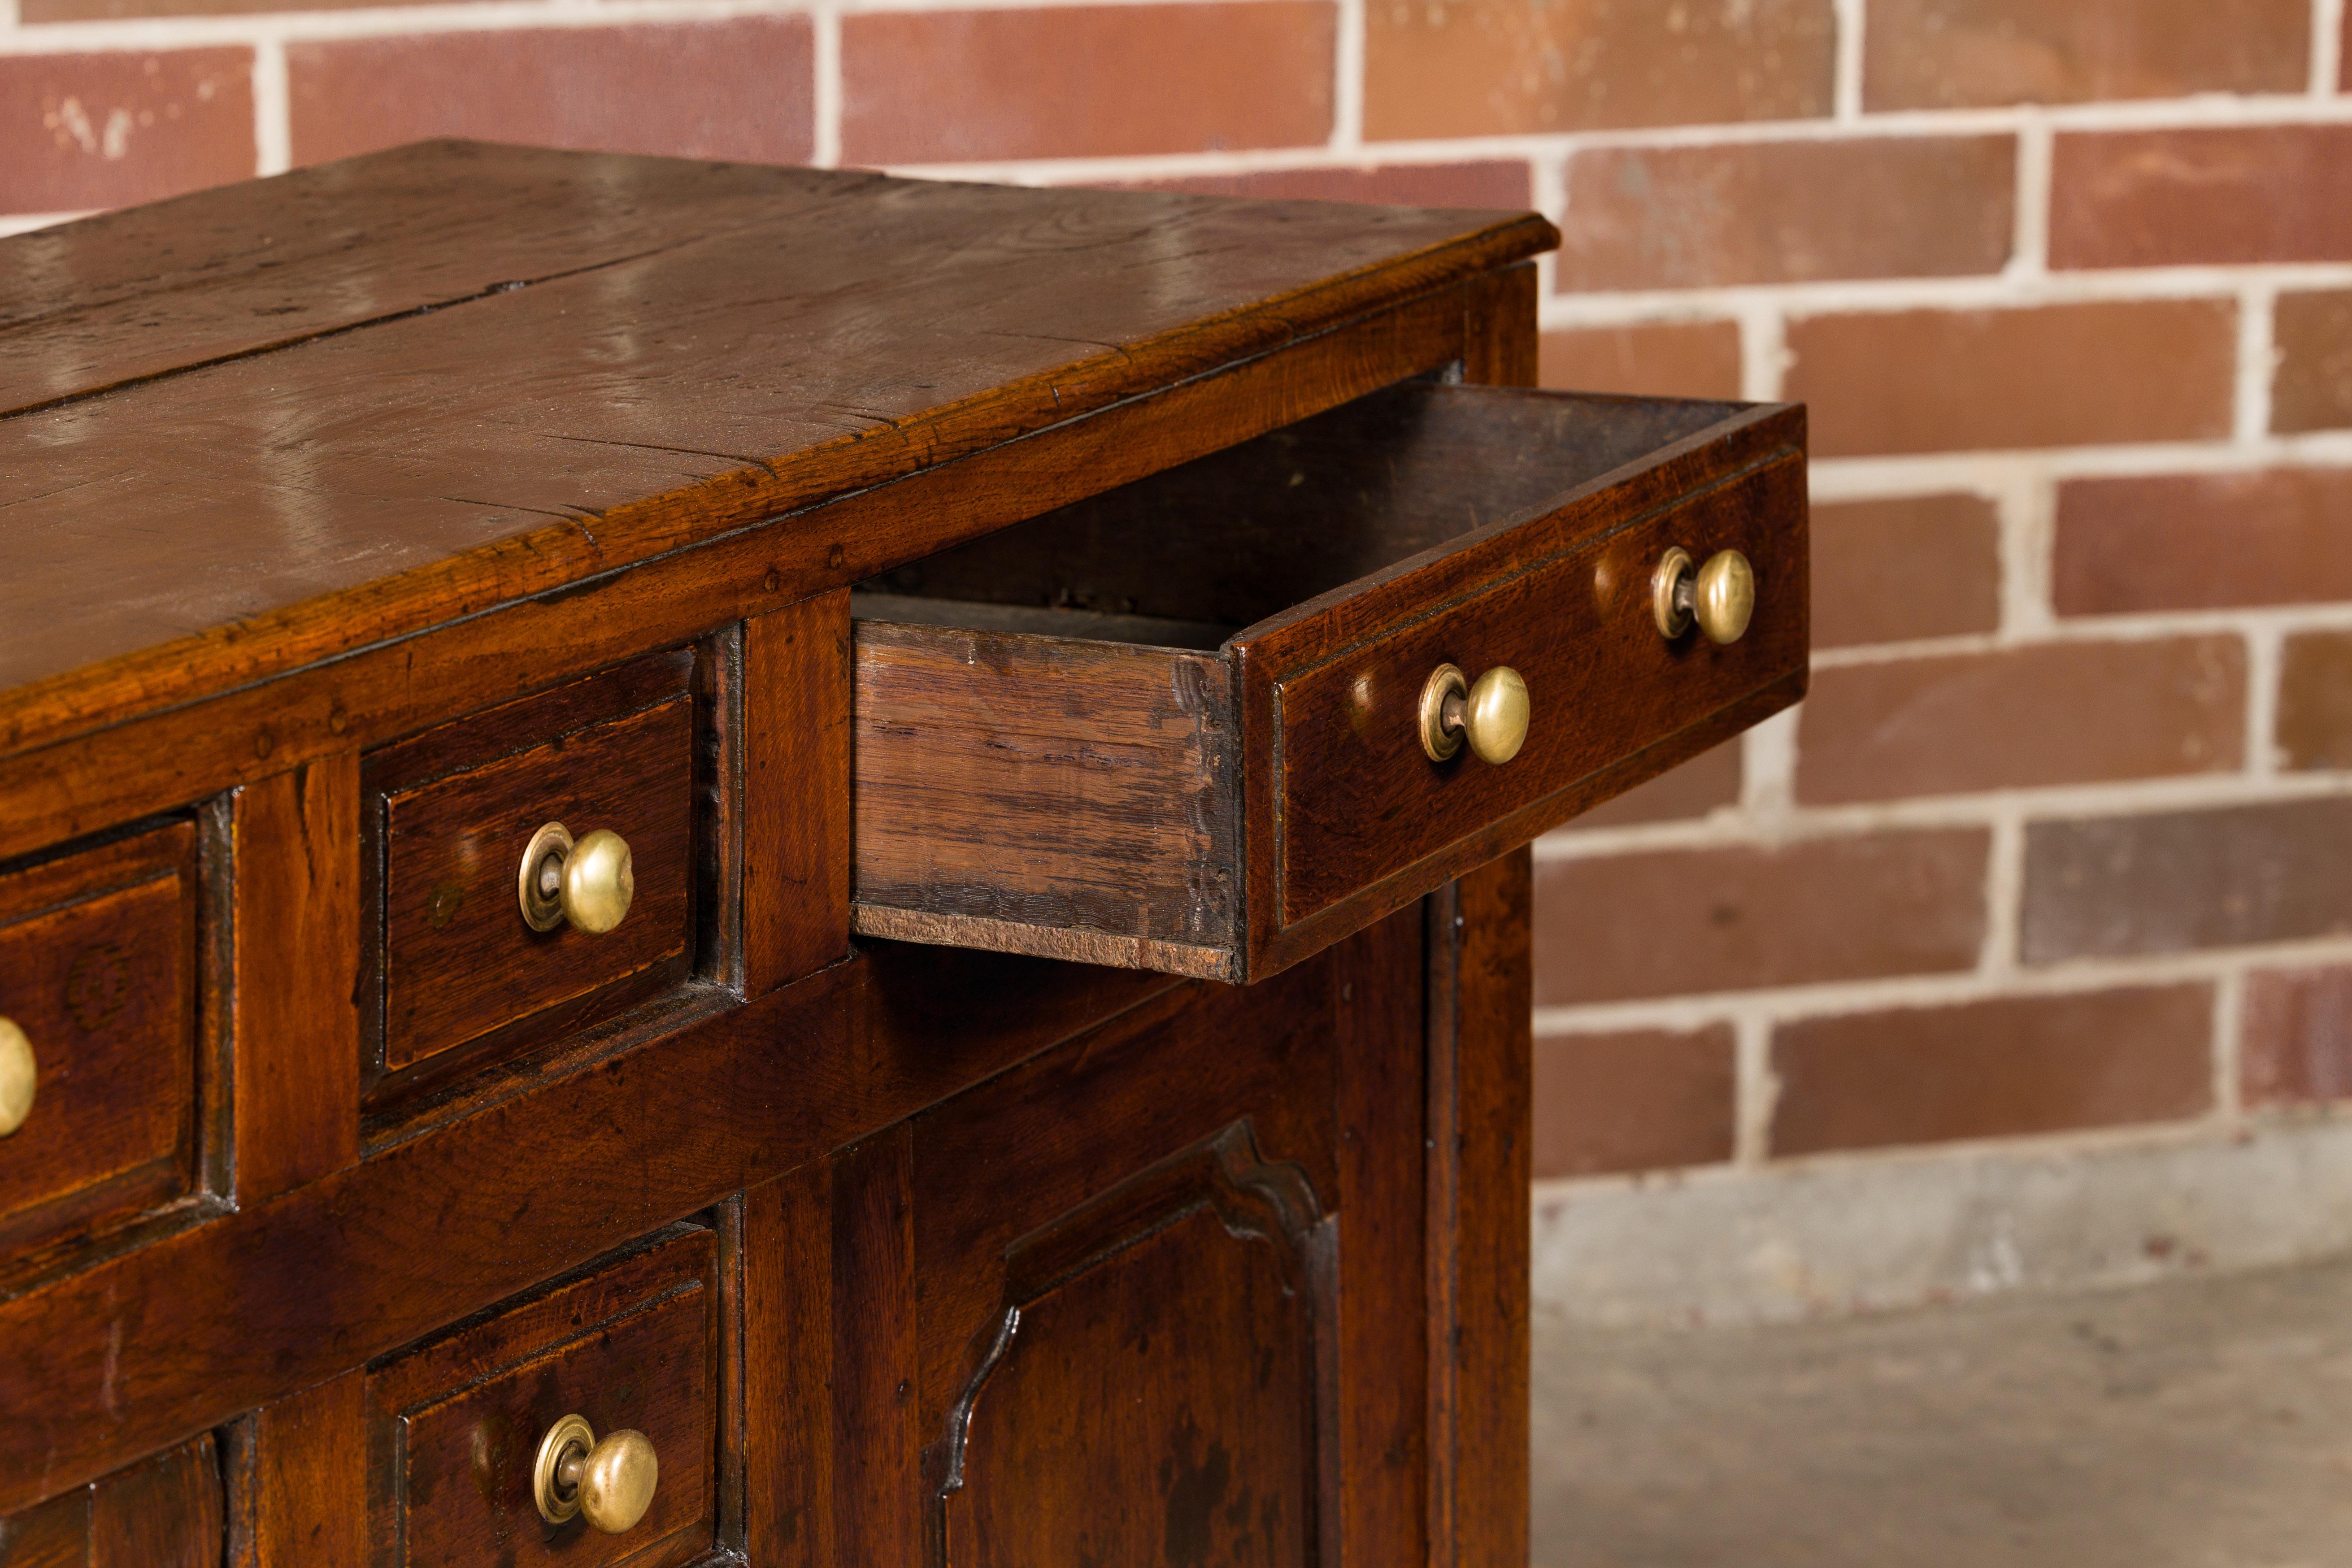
x,y
1154,1296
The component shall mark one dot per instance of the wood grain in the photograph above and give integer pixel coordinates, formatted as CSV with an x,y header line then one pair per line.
x,y
294,1022
166,1512
248,268
797,734
1054,787
193,1328
462,1419
1358,799
1078,788
1480,1052
788,1362
1163,1078
452,810
1159,1407
97,966
66,774
1381,1426
877,1491
304,1480
1037,307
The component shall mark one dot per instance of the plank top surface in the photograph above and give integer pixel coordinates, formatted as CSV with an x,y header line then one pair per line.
x,y
228,420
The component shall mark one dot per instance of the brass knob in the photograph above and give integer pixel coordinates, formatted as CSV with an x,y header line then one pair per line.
x,y
1491,714
589,884
610,1484
1720,596
16,1077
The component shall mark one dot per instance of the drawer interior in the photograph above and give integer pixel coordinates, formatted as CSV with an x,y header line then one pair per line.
x,y
1188,558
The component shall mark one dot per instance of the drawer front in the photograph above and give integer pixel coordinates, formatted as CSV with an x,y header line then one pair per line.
x,y
1358,799
162,1513
463,976
96,963
456,1426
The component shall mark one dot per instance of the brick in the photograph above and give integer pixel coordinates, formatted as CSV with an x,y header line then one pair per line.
x,y
1486,183
2198,542
2169,198
2312,387
1644,1100
2295,1042
1501,67
1679,922
735,88
2178,881
2057,714
1953,54
1903,569
1788,212
1085,80
2314,702
2053,375
2013,1066
107,130
1708,781
1659,359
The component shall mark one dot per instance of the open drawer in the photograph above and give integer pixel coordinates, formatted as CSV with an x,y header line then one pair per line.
x,y
1181,726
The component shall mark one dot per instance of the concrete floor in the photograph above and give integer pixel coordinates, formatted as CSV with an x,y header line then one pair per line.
x,y
2201,1423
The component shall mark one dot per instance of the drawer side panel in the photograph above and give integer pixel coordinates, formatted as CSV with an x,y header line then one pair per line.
x,y
1046,795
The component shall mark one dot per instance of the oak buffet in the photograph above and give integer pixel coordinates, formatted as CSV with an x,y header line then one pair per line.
x,y
702,862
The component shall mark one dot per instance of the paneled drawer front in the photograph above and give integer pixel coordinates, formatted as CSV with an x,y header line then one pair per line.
x,y
461,976
163,1513
1179,726
456,1426
97,965
1358,799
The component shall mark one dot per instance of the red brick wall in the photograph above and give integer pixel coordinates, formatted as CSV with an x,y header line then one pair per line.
x,y
2063,838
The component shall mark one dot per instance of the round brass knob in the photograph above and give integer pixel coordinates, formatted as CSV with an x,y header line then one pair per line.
x,y
1724,596
610,1484
588,884
1720,596
17,1076
1492,714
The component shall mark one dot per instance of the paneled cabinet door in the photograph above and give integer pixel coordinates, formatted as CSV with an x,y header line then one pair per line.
x,y
1128,1255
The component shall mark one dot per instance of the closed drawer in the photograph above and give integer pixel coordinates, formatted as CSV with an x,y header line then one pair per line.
x,y
96,986
1181,726
455,1427
458,975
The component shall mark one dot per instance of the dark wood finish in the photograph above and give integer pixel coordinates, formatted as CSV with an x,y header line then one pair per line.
x,y
300,1474
162,1513
1481,1043
165,1513
457,976
65,778
1565,601
295,1030
98,966
1384,1120
796,766
453,1428
1072,799
788,1357
1038,308
373,515
877,1483
1071,782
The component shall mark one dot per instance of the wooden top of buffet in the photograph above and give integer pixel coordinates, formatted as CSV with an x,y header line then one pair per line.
x,y
267,425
